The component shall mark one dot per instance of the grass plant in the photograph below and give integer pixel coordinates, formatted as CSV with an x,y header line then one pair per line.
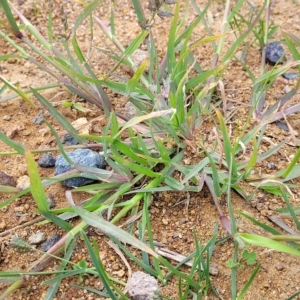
x,y
173,96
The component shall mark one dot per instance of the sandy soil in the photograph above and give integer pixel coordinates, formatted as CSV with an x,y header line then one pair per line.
x,y
173,222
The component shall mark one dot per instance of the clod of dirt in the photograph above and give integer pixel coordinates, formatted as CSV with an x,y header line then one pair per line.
x,y
6,179
274,53
37,238
38,119
69,140
50,242
84,157
46,161
142,286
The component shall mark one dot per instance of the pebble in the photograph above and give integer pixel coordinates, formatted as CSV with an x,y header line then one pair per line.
x,y
69,140
51,201
47,161
271,166
84,157
12,131
290,76
165,221
38,119
130,110
213,269
6,179
142,286
23,182
50,242
282,125
274,53
287,89
37,238
6,118
279,266
2,225
19,209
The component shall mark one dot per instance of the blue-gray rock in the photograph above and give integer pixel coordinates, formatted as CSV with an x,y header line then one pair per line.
x,y
69,140
38,119
274,53
84,157
50,242
46,161
290,76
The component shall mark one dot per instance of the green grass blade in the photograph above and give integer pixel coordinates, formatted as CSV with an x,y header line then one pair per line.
x,y
54,287
11,19
17,90
248,284
265,242
94,253
110,229
61,119
290,207
56,220
16,146
36,186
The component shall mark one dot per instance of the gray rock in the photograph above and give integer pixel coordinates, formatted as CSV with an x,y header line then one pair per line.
x,y
46,161
130,110
84,157
37,238
38,119
6,179
69,140
50,201
50,242
274,53
142,286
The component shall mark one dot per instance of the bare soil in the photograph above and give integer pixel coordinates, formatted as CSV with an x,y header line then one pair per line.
x,y
173,219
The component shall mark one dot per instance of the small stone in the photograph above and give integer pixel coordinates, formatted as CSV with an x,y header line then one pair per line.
x,y
6,179
69,140
290,76
84,157
37,238
213,269
23,182
47,161
38,119
279,266
12,131
142,286
287,89
50,242
2,225
130,110
177,235
165,221
82,125
19,209
51,201
271,166
274,53
6,118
